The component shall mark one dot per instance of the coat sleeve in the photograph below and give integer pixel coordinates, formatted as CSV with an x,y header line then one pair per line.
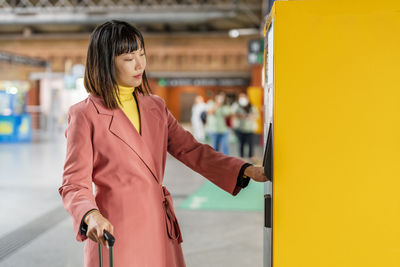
x,y
220,169
76,190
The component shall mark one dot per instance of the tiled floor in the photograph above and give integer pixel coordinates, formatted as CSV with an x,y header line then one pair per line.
x,y
30,176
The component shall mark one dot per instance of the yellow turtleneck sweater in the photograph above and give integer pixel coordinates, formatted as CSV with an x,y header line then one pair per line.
x,y
129,106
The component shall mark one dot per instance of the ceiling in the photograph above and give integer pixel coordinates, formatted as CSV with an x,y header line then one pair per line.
x,y
30,18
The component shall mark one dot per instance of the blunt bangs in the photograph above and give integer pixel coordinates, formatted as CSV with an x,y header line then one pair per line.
x,y
127,40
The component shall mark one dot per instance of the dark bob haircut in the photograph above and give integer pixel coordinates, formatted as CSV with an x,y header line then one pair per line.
x,y
107,41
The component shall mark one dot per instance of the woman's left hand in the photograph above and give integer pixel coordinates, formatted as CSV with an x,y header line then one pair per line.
x,y
256,173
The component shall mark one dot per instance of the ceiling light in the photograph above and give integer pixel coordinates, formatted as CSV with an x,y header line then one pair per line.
x,y
234,33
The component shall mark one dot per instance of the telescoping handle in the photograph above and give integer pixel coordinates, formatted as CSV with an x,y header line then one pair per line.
x,y
110,240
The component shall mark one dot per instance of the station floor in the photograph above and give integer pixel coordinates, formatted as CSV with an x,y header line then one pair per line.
x,y
36,231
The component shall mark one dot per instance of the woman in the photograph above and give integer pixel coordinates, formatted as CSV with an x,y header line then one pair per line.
x,y
197,123
118,138
217,113
245,116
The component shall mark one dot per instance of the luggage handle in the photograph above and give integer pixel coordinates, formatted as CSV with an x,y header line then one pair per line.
x,y
110,240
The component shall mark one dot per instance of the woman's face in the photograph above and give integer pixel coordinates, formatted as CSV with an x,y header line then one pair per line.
x,y
220,98
129,68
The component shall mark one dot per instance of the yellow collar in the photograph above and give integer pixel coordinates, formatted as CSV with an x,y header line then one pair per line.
x,y
125,93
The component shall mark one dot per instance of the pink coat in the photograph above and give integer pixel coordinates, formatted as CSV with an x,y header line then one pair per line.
x,y
127,170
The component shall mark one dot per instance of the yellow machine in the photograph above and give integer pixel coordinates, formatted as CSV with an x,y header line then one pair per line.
x,y
332,102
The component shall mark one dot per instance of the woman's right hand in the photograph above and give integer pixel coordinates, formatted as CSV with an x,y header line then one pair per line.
x,y
96,225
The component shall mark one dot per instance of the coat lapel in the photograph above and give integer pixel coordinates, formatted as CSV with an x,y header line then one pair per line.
x,y
121,126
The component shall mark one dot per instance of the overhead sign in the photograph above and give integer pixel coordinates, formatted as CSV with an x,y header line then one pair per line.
x,y
204,81
255,51
17,59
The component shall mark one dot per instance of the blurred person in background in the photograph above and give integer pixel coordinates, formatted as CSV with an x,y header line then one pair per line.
x,y
245,116
118,139
217,128
55,112
197,119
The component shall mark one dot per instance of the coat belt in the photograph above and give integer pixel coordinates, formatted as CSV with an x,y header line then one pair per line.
x,y
173,230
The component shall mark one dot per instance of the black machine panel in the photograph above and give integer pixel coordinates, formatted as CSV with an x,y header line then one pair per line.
x,y
267,162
